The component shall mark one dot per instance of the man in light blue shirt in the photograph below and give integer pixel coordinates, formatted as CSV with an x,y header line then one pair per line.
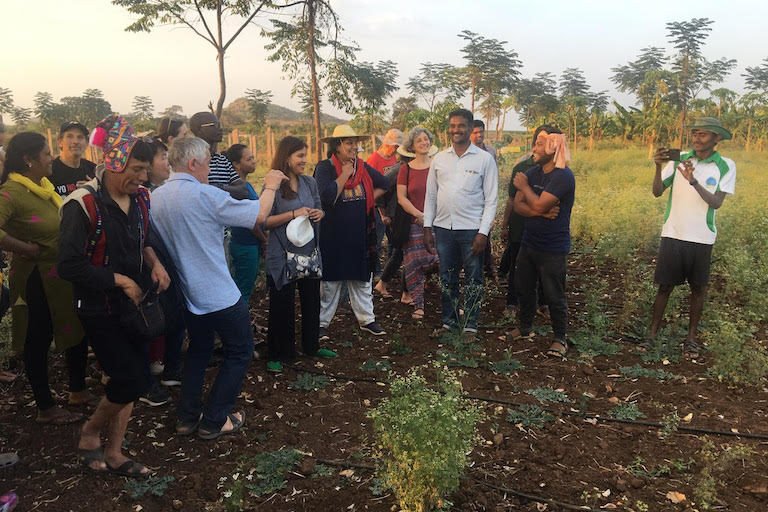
x,y
189,216
459,207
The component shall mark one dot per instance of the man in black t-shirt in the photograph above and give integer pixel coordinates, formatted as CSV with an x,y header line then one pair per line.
x,y
70,169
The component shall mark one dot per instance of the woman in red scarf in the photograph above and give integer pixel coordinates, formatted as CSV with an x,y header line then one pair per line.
x,y
348,187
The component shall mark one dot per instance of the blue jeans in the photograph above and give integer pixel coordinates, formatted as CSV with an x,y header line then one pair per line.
x,y
454,248
233,326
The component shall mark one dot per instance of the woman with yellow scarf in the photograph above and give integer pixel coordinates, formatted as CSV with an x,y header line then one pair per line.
x,y
41,302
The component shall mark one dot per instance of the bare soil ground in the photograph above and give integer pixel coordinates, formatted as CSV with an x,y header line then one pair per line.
x,y
574,459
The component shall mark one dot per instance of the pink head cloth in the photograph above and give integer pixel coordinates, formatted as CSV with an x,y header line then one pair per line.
x,y
555,144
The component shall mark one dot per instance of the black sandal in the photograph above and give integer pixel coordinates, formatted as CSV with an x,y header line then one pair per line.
x,y
130,469
88,457
237,423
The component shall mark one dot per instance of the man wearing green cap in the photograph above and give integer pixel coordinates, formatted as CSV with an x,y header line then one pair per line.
x,y
698,181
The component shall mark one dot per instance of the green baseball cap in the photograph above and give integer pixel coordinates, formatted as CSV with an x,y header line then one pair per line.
x,y
711,124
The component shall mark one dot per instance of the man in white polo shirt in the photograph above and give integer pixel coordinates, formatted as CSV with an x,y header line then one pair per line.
x,y
458,213
698,181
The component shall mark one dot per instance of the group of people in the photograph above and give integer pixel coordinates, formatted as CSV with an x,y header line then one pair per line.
x,y
93,244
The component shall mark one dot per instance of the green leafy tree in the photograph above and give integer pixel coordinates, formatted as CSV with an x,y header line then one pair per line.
x,y
693,72
21,116
90,108
535,99
143,108
435,83
401,108
372,84
258,105
173,111
313,57
6,102
45,108
491,69
631,77
757,77
207,19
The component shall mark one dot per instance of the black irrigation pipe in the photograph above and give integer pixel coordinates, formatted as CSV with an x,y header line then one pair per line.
x,y
507,490
605,419
534,497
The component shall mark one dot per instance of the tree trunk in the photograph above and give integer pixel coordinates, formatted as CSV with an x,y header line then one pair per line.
x,y
220,57
311,56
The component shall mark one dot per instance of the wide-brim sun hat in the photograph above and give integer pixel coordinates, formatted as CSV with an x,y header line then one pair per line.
x,y
299,231
410,154
393,137
711,124
344,131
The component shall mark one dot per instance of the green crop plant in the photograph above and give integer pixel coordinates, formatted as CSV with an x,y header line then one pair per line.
x,y
423,435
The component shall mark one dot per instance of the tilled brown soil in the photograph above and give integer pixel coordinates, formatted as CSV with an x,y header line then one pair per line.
x,y
575,459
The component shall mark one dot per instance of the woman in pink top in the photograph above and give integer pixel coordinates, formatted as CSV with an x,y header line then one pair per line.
x,y
411,191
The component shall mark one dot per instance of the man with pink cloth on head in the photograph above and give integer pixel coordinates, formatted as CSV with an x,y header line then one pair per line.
x,y
545,195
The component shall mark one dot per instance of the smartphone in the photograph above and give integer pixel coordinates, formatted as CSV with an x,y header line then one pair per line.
x,y
674,154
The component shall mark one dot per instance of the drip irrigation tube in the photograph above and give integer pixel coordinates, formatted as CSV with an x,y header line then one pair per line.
x,y
605,419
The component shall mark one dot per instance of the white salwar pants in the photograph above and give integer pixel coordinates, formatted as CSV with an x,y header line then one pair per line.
x,y
360,298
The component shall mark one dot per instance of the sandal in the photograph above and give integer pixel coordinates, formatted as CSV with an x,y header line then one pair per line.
x,y
518,335
88,457
59,417
129,468
557,349
237,424
382,291
418,314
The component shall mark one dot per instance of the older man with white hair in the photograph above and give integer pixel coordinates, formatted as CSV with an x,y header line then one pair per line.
x,y
190,216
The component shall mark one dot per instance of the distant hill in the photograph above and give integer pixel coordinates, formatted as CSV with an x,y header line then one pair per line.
x,y
236,115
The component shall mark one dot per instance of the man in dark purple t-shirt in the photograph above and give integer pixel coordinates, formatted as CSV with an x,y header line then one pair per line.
x,y
545,196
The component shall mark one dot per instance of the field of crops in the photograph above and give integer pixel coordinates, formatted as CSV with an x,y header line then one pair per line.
x,y
616,426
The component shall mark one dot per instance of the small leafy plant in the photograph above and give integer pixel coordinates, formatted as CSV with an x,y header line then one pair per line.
x,y
154,485
423,435
547,394
309,382
716,462
529,416
626,411
376,365
637,371
506,366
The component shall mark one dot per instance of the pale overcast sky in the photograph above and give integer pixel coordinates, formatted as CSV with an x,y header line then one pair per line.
x,y
66,46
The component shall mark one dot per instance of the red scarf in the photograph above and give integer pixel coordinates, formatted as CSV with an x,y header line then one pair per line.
x,y
360,176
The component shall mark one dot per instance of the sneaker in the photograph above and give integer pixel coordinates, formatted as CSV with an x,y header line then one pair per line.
x,y
156,368
274,366
470,330
171,379
156,396
325,353
323,334
374,328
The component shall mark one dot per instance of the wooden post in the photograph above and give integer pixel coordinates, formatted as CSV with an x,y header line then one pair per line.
x,y
252,145
50,141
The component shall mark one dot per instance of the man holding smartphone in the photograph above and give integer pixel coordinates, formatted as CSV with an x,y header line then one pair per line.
x,y
698,181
